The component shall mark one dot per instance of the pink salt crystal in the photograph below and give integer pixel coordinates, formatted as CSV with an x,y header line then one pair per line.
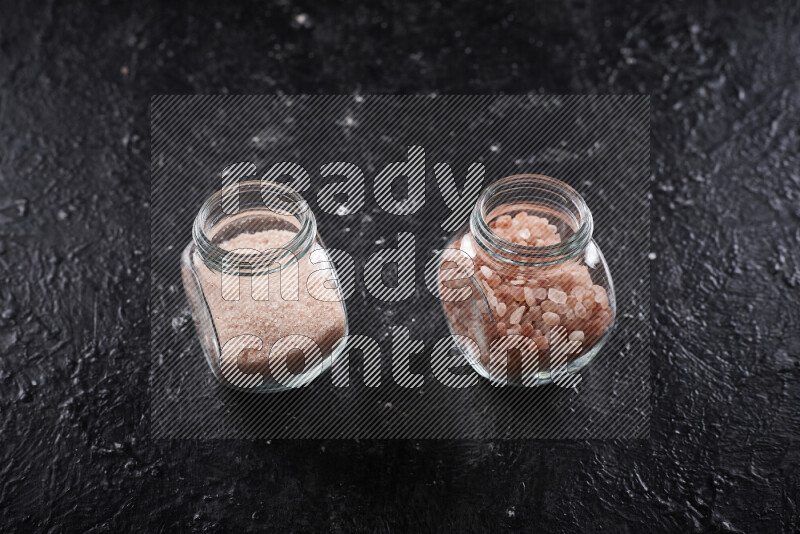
x,y
514,331
600,296
535,313
541,342
540,293
495,280
517,282
504,221
525,234
517,293
578,292
486,272
550,318
530,298
501,308
521,216
577,335
527,330
502,292
488,290
492,301
557,296
549,306
580,310
501,329
517,315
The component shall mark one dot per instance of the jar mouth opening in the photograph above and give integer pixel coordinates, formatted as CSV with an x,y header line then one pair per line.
x,y
539,195
249,207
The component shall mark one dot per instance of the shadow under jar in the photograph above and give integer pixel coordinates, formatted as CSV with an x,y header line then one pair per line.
x,y
264,295
524,285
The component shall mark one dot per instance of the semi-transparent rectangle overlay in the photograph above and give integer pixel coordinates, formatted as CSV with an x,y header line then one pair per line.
x,y
386,181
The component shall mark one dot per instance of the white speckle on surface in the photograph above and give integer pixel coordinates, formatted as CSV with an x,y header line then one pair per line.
x,y
652,256
302,19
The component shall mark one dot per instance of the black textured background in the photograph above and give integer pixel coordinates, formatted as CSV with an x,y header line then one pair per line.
x,y
75,83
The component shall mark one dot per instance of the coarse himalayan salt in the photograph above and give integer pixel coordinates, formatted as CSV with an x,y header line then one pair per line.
x,y
535,301
504,222
316,314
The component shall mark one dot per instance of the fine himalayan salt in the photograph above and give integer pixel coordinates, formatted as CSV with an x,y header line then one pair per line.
x,y
316,313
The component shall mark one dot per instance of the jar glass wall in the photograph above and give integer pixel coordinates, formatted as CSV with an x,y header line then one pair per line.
x,y
525,288
264,295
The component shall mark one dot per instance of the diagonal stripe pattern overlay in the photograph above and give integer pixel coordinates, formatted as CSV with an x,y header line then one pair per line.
x,y
597,144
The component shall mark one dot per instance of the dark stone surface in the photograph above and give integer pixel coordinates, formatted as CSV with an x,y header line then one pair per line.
x,y
75,83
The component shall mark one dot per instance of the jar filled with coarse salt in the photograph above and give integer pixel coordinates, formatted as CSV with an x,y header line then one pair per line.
x,y
525,288
264,295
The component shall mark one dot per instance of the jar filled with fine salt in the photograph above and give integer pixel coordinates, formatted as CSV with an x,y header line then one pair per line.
x,y
525,289
263,293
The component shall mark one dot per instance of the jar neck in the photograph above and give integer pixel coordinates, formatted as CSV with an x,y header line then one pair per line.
x,y
537,195
250,207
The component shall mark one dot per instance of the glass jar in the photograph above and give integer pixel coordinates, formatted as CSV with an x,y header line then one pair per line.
x,y
264,295
525,289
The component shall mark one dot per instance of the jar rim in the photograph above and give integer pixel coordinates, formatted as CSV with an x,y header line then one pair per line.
x,y
273,197
573,205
